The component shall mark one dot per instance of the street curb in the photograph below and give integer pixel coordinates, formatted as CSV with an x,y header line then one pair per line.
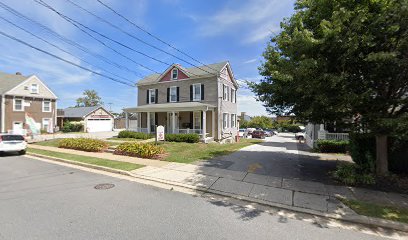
x,y
360,219
106,169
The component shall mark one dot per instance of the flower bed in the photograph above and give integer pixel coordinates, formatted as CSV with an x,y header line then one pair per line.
x,y
83,144
143,150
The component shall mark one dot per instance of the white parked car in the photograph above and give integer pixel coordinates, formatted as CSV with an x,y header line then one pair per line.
x,y
13,143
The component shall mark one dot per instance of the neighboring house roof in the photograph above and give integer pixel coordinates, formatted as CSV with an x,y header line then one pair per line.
x,y
10,81
184,106
79,112
192,72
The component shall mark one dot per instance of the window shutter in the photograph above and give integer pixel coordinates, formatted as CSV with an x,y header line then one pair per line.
x,y
157,95
191,92
202,91
156,115
201,126
178,94
168,94
147,96
223,92
191,120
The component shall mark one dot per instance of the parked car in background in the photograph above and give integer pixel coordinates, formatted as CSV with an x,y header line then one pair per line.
x,y
268,133
258,134
242,132
300,136
13,143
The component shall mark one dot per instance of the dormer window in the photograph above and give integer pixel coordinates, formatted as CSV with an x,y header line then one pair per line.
x,y
174,74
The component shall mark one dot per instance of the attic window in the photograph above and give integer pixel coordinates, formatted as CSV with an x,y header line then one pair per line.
x,y
34,88
25,87
174,74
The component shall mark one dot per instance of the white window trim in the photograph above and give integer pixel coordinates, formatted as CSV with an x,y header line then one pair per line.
x,y
175,89
150,96
194,95
42,123
38,88
233,93
225,114
233,123
43,105
172,76
22,105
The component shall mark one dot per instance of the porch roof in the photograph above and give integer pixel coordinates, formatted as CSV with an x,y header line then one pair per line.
x,y
170,107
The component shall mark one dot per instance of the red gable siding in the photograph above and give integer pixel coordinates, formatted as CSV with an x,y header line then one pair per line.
x,y
167,77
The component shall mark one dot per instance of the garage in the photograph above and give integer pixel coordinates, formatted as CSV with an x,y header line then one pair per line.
x,y
99,125
94,119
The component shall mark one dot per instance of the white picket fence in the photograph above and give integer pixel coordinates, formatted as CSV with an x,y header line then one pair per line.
x,y
337,136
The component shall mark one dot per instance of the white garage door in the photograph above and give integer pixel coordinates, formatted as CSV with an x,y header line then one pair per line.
x,y
99,125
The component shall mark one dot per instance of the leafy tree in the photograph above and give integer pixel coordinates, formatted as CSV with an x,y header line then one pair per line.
x,y
341,59
90,98
260,122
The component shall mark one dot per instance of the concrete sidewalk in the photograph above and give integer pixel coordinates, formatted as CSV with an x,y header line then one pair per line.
x,y
97,135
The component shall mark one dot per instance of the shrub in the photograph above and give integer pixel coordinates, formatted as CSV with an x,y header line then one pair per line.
x,y
83,144
143,150
72,127
362,150
137,135
188,138
352,174
332,146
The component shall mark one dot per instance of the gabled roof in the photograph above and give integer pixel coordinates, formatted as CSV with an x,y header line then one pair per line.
x,y
10,81
79,112
192,72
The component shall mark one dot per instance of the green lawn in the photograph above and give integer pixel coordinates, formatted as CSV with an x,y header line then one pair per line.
x,y
54,143
190,152
90,160
378,211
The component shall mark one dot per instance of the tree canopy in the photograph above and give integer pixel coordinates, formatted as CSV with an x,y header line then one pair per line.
x,y
339,59
90,98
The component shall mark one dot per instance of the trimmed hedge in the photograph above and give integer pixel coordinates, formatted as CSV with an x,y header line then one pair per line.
x,y
188,138
363,152
143,150
72,127
136,135
332,146
83,144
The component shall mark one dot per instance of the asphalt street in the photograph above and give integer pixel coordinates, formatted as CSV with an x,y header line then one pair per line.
x,y
40,200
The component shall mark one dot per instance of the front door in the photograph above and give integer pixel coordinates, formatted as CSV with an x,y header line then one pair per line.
x,y
170,122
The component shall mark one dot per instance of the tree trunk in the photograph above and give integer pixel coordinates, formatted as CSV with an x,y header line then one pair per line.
x,y
382,155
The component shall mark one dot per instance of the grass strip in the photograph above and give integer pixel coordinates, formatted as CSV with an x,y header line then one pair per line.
x,y
126,166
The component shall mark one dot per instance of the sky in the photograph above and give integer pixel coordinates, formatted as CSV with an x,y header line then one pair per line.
x,y
210,31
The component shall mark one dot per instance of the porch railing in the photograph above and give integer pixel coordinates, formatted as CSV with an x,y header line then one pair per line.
x,y
143,130
337,136
188,130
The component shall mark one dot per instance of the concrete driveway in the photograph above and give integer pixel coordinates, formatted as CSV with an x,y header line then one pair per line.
x,y
278,156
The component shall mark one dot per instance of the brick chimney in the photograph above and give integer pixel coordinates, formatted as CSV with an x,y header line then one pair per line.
x,y
18,73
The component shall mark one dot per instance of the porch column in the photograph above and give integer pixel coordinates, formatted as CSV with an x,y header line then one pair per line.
x,y
126,120
148,122
173,123
204,123
213,123
137,121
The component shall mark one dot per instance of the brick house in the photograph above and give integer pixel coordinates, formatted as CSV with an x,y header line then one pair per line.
x,y
26,95
188,100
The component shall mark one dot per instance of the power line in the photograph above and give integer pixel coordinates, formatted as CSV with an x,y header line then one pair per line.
x,y
64,60
132,36
44,40
66,40
152,35
76,23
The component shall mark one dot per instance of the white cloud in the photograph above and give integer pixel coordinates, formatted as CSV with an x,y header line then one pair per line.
x,y
255,20
249,105
250,61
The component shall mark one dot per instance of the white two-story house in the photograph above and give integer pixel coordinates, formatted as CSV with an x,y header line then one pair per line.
x,y
199,100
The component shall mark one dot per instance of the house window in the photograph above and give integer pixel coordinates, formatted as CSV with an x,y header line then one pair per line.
x,y
225,120
233,120
46,124
152,96
225,93
34,88
233,95
173,94
18,104
197,120
152,121
197,92
174,74
46,107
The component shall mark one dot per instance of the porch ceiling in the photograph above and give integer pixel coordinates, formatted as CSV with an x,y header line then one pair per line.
x,y
170,107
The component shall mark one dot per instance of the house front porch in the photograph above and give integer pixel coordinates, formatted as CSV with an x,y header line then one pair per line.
x,y
188,117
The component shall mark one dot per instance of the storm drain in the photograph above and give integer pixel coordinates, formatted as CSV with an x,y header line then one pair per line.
x,y
104,186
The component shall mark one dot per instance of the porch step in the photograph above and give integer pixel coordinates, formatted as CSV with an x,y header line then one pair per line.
x,y
208,140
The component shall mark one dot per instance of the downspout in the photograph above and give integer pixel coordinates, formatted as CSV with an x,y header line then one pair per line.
x,y
3,112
